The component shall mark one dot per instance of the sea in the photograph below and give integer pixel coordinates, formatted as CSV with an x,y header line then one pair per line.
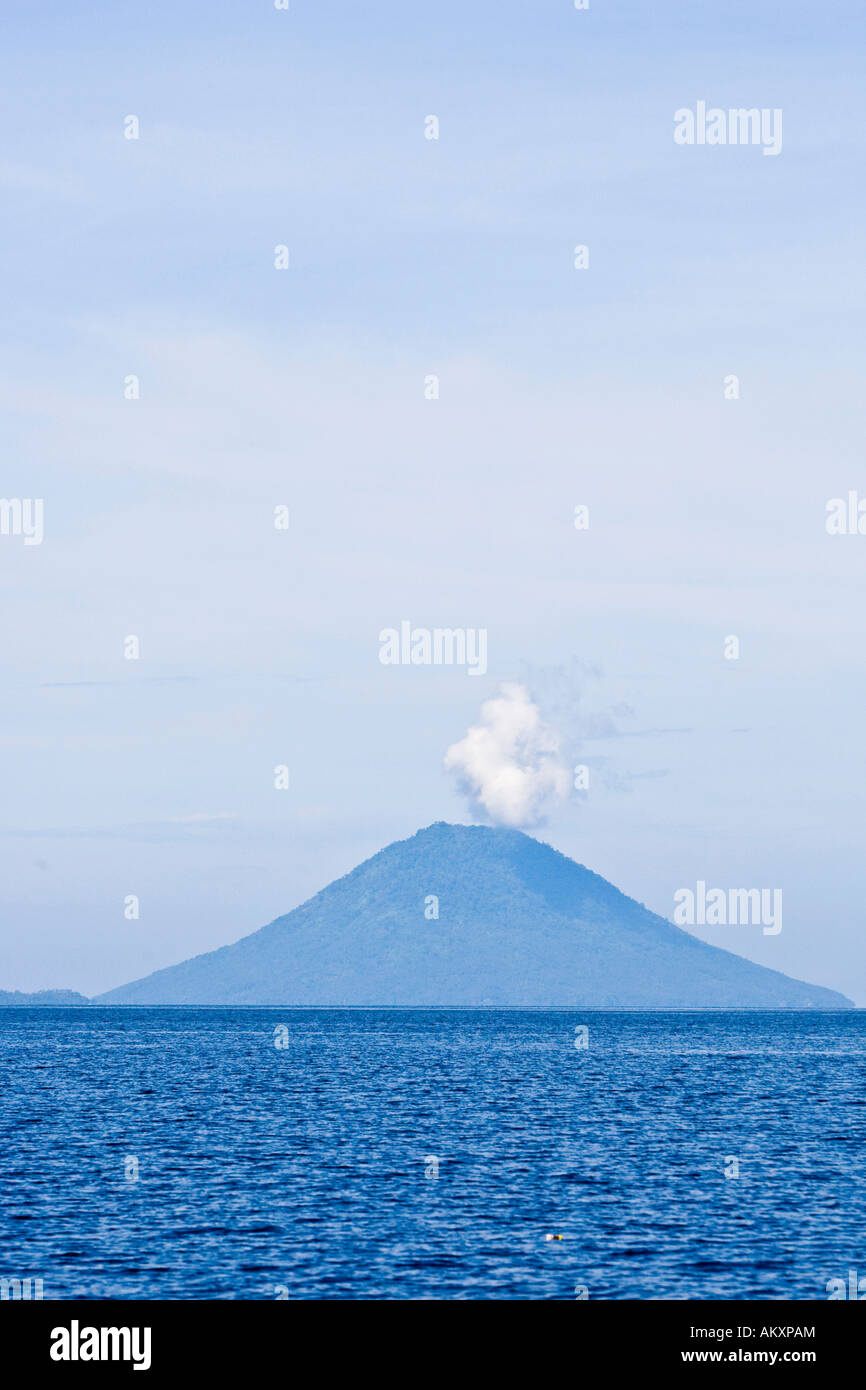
x,y
385,1153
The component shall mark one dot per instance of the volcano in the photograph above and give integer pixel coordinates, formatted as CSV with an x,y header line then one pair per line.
x,y
465,915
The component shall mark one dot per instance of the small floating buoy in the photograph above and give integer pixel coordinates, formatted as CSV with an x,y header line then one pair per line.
x,y
550,1237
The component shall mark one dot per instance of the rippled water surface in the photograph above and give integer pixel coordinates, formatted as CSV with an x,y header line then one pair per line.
x,y
310,1170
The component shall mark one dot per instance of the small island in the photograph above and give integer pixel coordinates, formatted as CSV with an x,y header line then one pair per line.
x,y
12,998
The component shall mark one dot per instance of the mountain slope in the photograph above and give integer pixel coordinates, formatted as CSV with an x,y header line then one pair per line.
x,y
518,923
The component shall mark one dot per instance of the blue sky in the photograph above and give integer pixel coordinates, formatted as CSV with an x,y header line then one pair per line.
x,y
305,387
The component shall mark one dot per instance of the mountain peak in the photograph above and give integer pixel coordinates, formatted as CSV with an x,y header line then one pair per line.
x,y
474,914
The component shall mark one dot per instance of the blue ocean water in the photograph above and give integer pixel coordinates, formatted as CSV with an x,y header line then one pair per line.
x,y
384,1153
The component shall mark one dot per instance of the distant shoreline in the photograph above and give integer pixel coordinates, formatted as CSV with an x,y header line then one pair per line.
x,y
468,1008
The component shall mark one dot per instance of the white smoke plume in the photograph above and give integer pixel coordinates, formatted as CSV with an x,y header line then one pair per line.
x,y
511,764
